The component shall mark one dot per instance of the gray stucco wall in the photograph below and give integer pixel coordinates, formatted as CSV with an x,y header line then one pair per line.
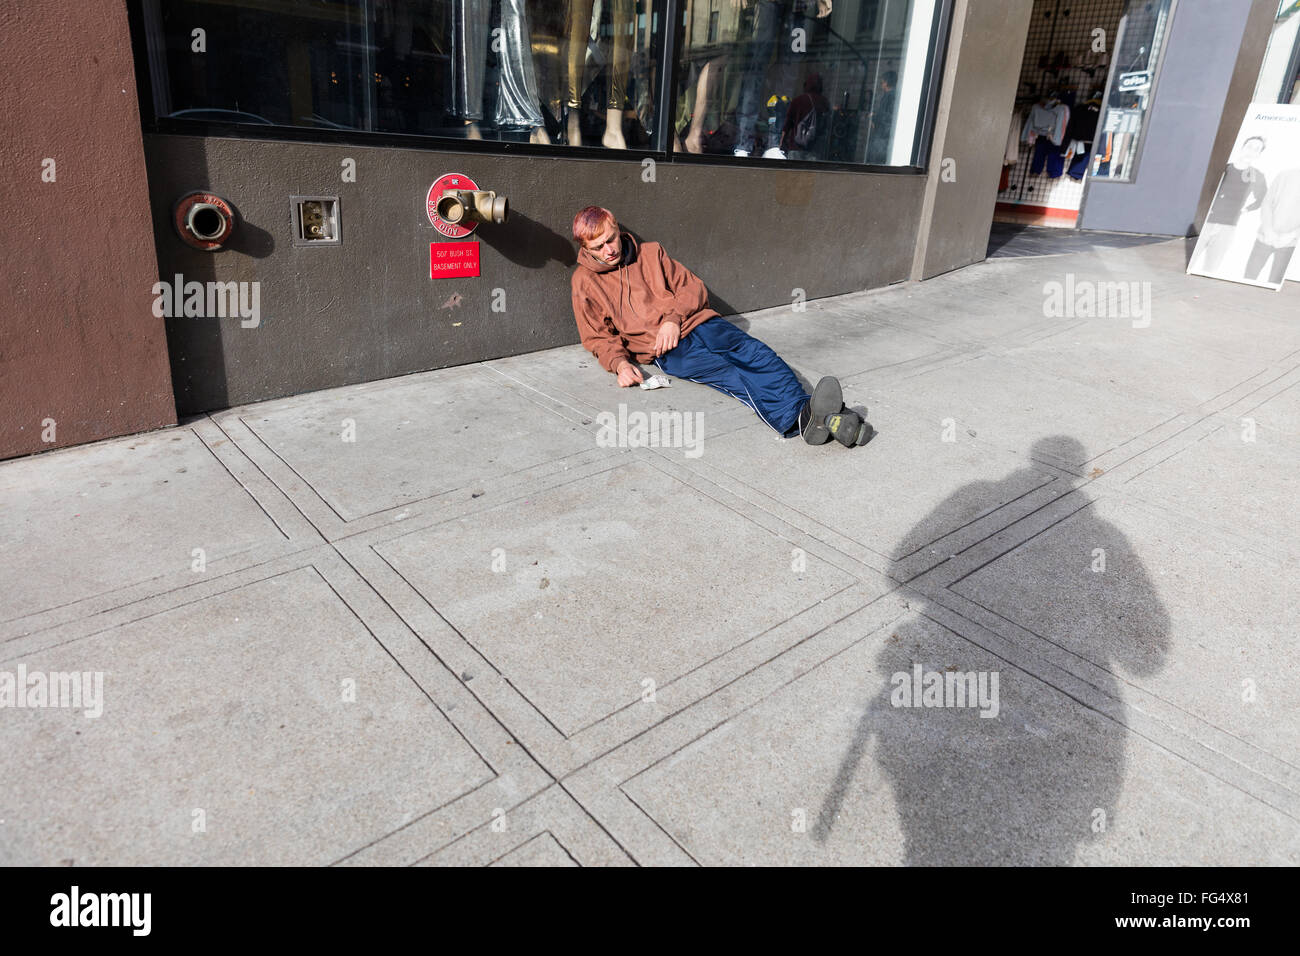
x,y
367,309
1191,89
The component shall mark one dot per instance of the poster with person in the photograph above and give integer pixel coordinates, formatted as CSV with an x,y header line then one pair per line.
x,y
1253,226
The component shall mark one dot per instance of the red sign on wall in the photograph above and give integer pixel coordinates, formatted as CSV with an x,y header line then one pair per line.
x,y
449,259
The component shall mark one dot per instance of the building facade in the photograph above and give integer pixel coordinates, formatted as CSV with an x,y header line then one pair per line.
x,y
225,201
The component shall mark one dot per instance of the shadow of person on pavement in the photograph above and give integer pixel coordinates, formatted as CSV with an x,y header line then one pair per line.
x,y
1041,774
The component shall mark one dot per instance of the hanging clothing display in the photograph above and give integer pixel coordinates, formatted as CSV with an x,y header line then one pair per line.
x,y
517,101
1047,157
517,97
1079,165
1048,120
1078,134
1083,122
1059,99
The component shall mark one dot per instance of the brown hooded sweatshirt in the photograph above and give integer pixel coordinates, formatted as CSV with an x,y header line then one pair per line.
x,y
619,306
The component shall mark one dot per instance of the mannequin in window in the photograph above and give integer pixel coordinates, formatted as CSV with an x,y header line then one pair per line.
x,y
550,30
517,99
622,24
706,92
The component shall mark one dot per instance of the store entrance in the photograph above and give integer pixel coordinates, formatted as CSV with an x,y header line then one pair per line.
x,y
1053,127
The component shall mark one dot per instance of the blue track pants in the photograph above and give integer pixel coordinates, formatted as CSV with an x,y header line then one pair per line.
x,y
719,354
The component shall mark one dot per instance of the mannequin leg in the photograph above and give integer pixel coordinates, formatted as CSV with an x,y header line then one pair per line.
x,y
579,32
623,15
549,58
705,90
613,138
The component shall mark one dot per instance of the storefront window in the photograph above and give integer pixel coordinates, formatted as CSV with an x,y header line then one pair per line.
x,y
1141,41
574,72
844,81
1279,76
824,80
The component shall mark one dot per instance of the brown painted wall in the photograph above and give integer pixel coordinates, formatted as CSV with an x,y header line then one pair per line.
x,y
79,343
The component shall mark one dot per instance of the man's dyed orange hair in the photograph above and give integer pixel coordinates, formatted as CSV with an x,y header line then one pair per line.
x,y
591,222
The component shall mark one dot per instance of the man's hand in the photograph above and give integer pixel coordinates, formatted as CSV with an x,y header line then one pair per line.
x,y
629,374
669,336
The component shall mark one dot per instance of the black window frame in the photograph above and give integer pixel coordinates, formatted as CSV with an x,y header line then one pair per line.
x,y
671,13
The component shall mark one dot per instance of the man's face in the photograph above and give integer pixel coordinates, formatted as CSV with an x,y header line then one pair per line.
x,y
608,246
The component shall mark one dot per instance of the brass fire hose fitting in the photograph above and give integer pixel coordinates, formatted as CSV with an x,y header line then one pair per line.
x,y
462,206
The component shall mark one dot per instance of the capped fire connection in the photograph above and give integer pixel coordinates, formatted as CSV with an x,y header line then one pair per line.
x,y
204,220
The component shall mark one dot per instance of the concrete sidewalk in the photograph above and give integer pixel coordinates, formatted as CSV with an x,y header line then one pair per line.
x,y
372,626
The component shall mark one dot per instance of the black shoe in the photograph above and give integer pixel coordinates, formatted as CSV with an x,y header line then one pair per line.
x,y
848,428
827,399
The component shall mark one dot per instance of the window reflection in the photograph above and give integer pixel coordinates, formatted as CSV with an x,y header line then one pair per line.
x,y
828,80
802,79
578,72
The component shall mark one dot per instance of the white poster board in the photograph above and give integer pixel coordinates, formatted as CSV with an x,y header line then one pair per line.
x,y
1253,226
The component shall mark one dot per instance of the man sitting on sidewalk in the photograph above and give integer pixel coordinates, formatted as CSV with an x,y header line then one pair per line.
x,y
634,304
